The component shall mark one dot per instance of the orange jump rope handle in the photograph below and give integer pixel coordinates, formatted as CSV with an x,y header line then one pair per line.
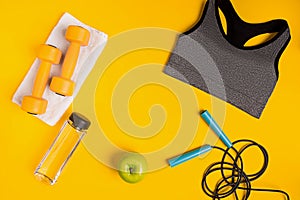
x,y
63,85
35,104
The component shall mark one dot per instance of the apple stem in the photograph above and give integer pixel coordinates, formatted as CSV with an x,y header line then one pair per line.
x,y
131,170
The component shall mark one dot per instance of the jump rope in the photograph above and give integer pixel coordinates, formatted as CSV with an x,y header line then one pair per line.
x,y
231,166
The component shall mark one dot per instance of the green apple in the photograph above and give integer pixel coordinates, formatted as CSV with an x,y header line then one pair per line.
x,y
132,167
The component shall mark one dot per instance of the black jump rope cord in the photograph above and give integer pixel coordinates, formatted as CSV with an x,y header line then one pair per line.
x,y
233,175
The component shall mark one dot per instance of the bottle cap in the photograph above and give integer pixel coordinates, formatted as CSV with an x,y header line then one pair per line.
x,y
79,121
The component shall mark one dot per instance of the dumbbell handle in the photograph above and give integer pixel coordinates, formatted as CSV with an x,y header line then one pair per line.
x,y
41,79
70,60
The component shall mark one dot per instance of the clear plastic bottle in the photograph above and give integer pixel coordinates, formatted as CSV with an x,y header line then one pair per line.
x,y
62,148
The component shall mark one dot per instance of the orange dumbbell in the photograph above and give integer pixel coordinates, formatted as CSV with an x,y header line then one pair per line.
x,y
35,104
63,85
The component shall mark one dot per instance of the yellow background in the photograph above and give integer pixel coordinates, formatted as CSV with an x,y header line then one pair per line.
x,y
24,139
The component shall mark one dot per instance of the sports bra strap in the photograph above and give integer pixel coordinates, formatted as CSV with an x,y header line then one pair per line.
x,y
239,31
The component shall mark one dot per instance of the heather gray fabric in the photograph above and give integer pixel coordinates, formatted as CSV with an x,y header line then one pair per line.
x,y
219,64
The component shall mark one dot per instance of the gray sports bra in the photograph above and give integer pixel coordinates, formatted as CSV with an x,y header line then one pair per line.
x,y
220,64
